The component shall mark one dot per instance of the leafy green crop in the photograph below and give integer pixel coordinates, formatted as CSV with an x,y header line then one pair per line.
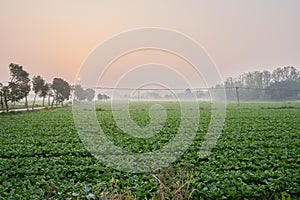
x,y
256,157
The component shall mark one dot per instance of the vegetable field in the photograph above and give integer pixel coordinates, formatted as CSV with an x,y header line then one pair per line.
x,y
256,157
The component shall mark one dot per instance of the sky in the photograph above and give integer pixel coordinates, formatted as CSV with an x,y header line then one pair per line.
x,y
53,38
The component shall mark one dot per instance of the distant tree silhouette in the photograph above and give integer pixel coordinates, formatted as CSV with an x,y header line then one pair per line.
x,y
44,91
90,94
102,96
50,94
188,91
37,84
281,83
287,89
62,90
79,93
82,94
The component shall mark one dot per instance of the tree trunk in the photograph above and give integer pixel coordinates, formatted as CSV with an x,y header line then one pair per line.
x,y
52,103
56,95
1,102
6,104
26,103
49,100
34,101
43,101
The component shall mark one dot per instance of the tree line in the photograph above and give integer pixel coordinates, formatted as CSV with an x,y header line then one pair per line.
x,y
283,83
19,86
59,90
88,94
280,84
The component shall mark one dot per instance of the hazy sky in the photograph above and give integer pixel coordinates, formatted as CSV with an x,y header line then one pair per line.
x,y
52,38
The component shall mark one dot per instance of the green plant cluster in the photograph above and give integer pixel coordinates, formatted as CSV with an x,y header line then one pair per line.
x,y
256,157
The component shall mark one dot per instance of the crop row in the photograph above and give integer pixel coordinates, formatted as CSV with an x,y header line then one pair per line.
x,y
256,157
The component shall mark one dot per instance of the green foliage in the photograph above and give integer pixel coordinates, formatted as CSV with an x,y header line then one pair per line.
x,y
257,156
281,84
82,94
90,94
287,89
285,198
37,84
44,90
102,96
79,93
62,89
18,86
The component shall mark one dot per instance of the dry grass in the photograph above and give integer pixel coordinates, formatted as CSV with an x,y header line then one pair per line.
x,y
174,185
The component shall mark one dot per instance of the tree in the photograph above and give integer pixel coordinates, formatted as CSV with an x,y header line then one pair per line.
x,y
37,84
266,78
62,90
18,87
258,79
287,89
79,93
20,82
82,94
251,84
6,96
45,91
26,89
102,96
277,75
90,94
188,91
200,94
290,73
50,94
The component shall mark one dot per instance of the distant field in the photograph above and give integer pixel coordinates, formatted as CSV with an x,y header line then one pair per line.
x,y
256,157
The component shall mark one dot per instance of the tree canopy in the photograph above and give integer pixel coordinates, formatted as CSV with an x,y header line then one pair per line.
x,y
62,90
37,84
90,94
18,86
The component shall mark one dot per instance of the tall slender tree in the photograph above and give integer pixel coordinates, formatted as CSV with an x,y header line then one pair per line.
x,y
50,94
37,84
266,76
44,92
26,88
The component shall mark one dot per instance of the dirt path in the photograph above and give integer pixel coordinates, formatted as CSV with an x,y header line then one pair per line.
x,y
22,109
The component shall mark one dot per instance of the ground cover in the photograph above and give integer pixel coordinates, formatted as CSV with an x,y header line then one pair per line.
x,y
256,157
